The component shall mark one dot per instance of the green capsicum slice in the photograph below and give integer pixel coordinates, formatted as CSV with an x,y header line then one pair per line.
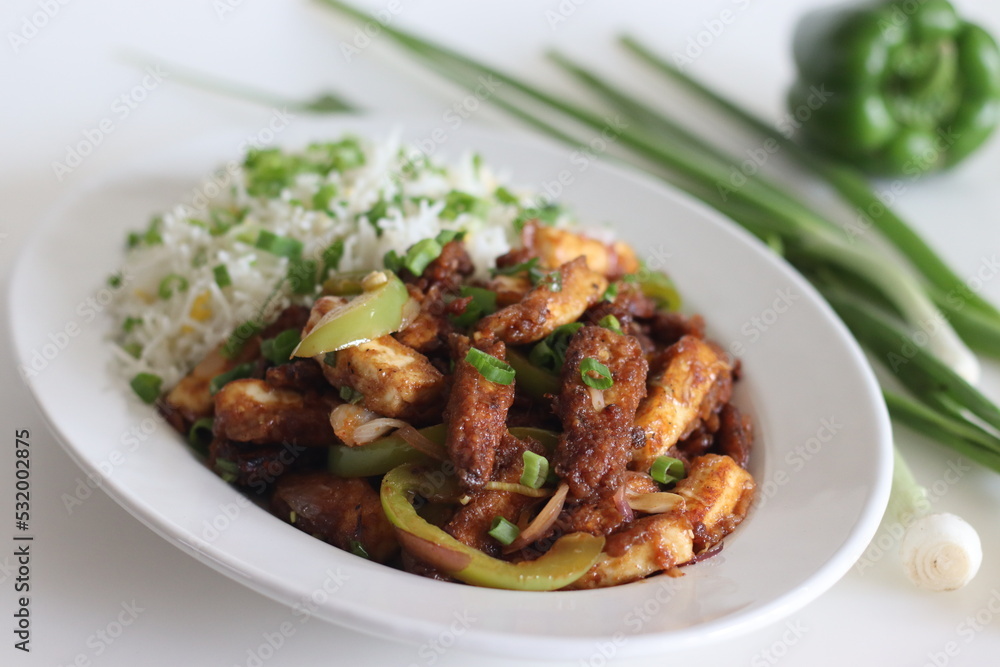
x,y
379,310
384,454
892,89
568,559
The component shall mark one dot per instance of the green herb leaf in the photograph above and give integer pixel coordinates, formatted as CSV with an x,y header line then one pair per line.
x,y
147,386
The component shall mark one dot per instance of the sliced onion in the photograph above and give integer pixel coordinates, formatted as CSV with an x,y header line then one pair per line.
x,y
621,502
541,524
440,556
518,488
375,429
421,442
597,398
346,419
704,555
656,503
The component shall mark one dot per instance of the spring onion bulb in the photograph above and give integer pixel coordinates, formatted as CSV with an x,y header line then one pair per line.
x,y
940,552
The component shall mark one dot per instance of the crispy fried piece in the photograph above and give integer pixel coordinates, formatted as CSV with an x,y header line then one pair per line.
x,y
476,416
668,328
259,466
717,494
471,522
448,269
556,247
596,445
190,399
735,435
695,381
601,517
542,310
253,411
643,547
509,289
342,512
395,380
300,375
429,331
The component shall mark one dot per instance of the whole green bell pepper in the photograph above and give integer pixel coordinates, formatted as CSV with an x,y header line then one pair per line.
x,y
900,88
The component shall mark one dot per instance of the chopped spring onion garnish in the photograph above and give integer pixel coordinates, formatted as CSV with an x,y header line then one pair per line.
x,y
200,433
358,550
227,470
503,531
611,293
420,255
330,359
611,322
131,323
550,353
595,374
282,246
115,281
332,256
491,368
147,386
321,200
350,394
552,281
134,349
446,236
660,288
278,350
244,332
221,274
531,266
167,285
667,470
301,275
237,373
536,470
483,303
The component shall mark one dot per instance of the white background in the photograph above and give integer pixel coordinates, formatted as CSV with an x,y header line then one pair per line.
x,y
66,77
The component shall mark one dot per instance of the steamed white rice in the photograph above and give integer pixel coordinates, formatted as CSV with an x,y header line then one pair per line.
x,y
167,336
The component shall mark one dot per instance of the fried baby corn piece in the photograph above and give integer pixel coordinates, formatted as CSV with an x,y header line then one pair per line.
x,y
346,513
596,444
558,299
717,494
395,380
476,415
695,381
644,547
253,411
555,247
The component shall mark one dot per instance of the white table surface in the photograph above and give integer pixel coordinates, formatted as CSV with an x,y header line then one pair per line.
x,y
92,563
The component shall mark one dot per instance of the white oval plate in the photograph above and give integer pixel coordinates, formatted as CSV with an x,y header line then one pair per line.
x,y
822,462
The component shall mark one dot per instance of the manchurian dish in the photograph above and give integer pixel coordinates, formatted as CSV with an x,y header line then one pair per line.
x,y
547,422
